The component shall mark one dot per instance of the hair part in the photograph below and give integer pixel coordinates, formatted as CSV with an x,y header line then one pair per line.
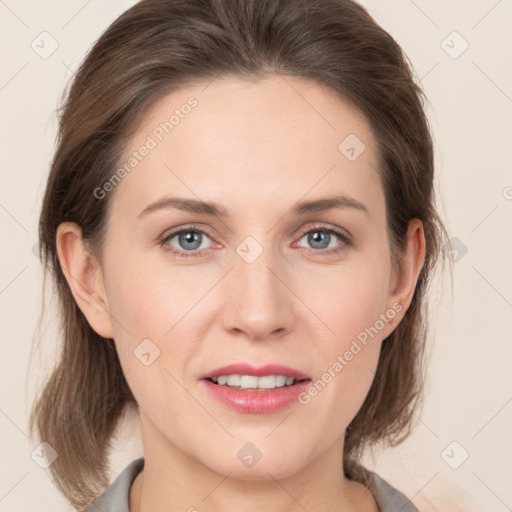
x,y
154,48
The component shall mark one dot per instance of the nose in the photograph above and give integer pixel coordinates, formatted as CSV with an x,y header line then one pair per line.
x,y
259,304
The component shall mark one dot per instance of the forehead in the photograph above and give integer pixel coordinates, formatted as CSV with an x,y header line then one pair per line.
x,y
247,141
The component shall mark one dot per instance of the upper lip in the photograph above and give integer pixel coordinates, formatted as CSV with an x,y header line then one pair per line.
x,y
257,371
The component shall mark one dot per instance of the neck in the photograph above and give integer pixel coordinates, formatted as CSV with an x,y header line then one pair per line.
x,y
171,480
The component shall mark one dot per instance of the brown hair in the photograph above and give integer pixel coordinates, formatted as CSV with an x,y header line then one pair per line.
x,y
154,48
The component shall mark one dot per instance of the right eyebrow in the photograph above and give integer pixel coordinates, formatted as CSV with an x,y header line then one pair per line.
x,y
188,205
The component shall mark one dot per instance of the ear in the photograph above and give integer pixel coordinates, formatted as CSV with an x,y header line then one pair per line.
x,y
403,282
84,277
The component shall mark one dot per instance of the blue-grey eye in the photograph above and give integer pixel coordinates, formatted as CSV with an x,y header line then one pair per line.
x,y
320,238
188,240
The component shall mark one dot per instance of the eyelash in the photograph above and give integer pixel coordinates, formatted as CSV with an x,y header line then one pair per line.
x,y
193,229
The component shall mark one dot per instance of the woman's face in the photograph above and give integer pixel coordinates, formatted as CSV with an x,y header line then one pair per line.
x,y
264,281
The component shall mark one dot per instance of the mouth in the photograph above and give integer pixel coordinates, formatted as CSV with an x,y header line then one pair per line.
x,y
256,389
246,376
253,382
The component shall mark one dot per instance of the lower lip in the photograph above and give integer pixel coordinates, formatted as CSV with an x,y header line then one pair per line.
x,y
257,401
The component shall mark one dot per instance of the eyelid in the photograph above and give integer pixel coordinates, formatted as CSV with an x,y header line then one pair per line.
x,y
341,233
195,227
171,233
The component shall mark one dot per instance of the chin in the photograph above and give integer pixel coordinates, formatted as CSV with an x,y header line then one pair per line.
x,y
263,469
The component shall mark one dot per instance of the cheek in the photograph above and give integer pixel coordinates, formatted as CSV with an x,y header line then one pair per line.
x,y
149,316
146,302
352,307
147,311
351,300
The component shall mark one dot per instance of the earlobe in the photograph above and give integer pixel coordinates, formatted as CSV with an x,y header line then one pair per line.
x,y
406,277
84,277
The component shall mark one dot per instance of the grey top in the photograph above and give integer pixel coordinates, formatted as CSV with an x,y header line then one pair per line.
x,y
116,497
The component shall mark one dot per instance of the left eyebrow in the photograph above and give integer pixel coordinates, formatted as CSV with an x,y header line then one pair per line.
x,y
328,203
196,206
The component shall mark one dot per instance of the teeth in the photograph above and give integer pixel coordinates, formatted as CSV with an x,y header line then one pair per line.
x,y
233,380
252,382
248,381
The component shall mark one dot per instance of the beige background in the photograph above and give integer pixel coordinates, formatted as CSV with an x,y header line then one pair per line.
x,y
469,393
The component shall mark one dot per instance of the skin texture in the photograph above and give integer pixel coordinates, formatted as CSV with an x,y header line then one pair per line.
x,y
256,148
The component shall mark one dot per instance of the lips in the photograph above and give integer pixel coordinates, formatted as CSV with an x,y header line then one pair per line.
x,y
257,371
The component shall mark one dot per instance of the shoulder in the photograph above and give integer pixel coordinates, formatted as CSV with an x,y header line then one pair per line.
x,y
116,496
388,497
